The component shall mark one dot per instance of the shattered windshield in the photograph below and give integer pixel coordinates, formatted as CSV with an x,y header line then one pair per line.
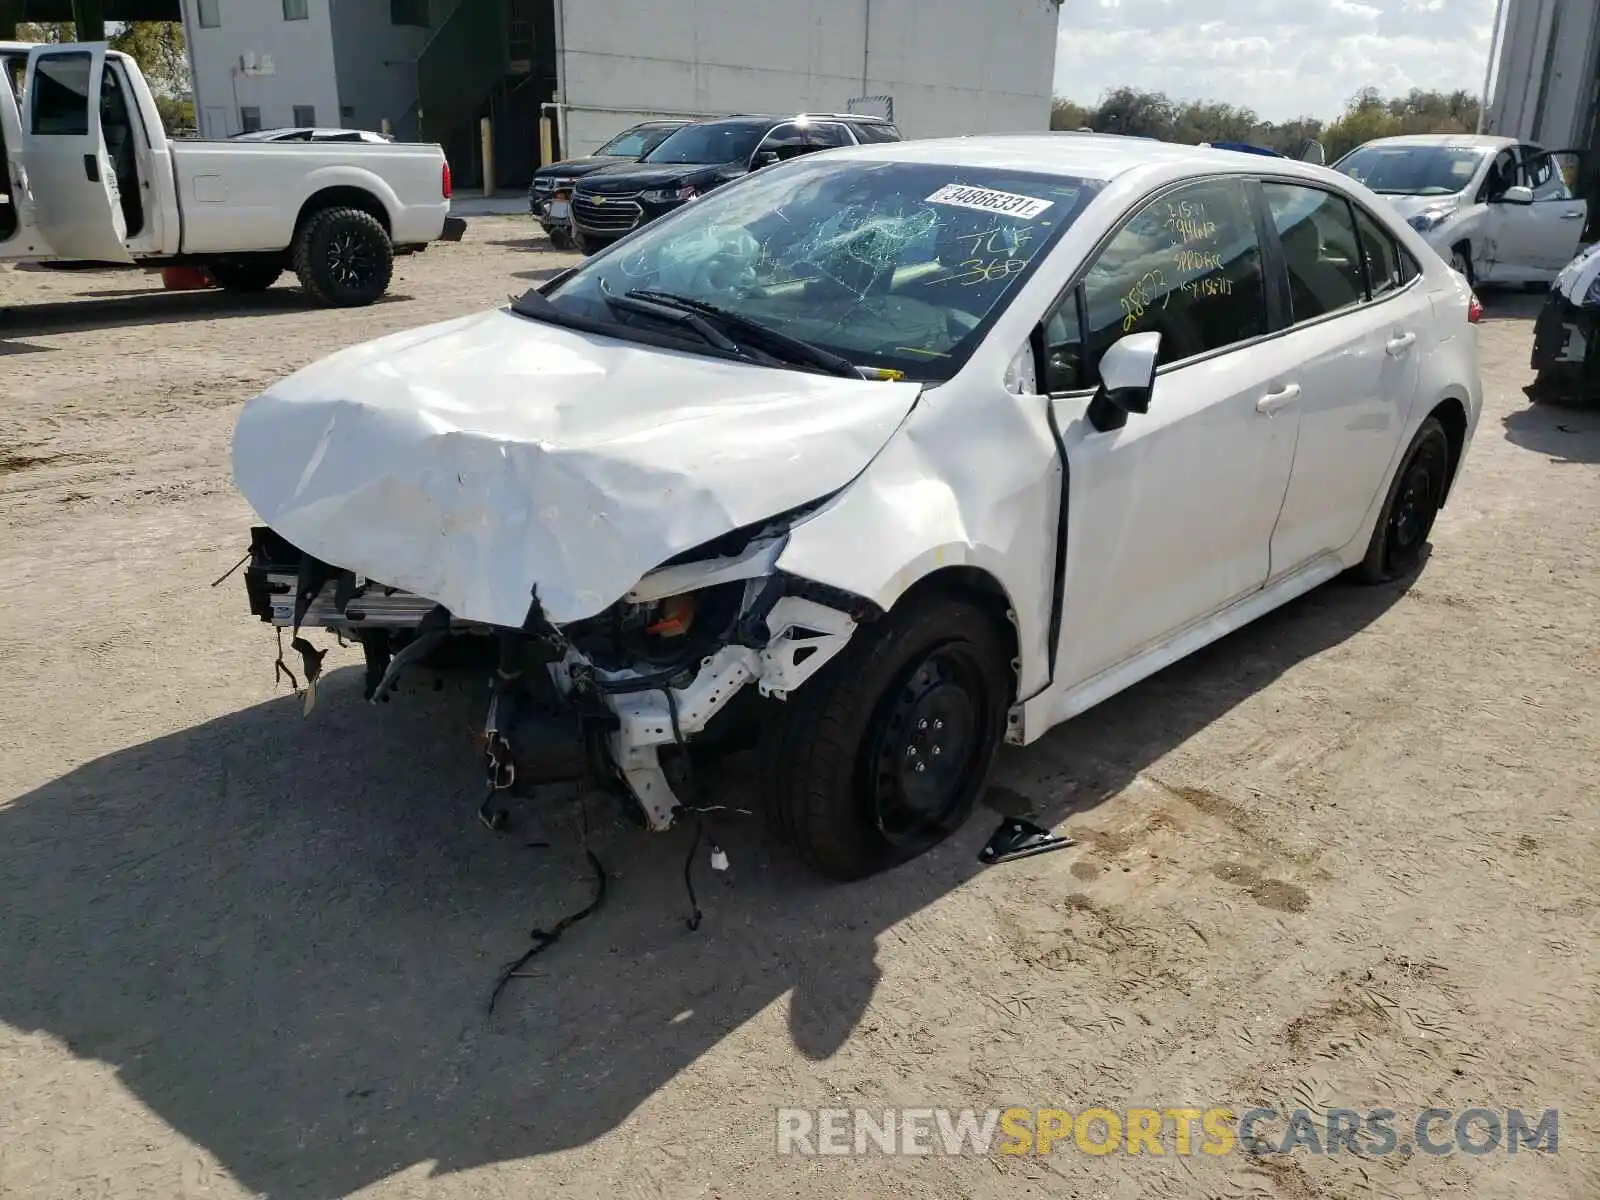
x,y
1413,170
893,265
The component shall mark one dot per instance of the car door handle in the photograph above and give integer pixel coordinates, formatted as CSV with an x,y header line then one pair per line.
x,y
1400,344
1273,401
91,167
1571,216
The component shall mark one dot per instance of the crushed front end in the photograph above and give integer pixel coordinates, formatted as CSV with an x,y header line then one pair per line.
x,y
598,698
1566,335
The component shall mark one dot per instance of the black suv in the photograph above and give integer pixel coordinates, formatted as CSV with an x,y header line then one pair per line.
x,y
614,201
554,182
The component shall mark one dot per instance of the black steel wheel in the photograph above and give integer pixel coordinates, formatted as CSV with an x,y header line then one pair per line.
x,y
923,752
343,257
1411,507
881,755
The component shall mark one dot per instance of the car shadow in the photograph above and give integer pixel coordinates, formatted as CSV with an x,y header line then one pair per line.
x,y
154,307
1509,305
1567,433
281,933
10,347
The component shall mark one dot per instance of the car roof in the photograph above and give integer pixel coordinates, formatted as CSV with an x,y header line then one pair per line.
x,y
1463,141
1093,156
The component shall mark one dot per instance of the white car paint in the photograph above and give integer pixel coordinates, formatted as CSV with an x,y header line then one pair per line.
x,y
1577,280
533,454
1505,242
493,456
198,197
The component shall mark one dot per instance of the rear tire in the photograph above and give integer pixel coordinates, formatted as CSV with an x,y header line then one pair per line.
x,y
244,276
881,756
1415,496
343,257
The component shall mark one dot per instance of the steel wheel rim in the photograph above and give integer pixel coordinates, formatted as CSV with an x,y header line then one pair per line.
x,y
1416,504
927,747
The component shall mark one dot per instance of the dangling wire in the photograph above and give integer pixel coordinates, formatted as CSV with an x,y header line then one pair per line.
x,y
543,939
699,826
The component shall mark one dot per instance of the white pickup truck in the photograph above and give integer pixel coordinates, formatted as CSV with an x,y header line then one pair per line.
x,y
91,176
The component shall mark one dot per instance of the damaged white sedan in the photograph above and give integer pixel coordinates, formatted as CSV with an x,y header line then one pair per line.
x,y
896,452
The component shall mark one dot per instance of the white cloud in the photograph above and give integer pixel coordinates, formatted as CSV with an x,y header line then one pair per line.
x,y
1283,58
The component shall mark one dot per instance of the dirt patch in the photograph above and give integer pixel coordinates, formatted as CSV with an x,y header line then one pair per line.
x,y
245,952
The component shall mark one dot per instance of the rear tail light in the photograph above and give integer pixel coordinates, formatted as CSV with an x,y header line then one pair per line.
x,y
1474,311
444,181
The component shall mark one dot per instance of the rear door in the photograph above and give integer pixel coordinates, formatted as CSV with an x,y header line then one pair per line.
x,y
78,210
1359,324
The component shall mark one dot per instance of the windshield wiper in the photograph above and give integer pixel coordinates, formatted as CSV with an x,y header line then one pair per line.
x,y
635,302
781,345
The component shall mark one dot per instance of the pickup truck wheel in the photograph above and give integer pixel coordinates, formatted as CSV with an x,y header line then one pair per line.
x,y
881,755
343,257
244,277
1413,503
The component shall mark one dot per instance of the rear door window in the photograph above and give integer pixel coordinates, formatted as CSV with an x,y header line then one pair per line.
x,y
826,135
1320,249
1380,255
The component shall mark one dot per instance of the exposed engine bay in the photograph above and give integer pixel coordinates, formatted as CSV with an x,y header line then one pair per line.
x,y
598,698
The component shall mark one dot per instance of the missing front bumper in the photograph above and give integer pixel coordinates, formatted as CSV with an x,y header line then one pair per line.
x,y
785,633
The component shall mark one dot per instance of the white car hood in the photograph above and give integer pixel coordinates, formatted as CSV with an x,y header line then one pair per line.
x,y
1410,206
472,461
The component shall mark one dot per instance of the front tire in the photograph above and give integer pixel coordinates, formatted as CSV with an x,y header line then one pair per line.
x,y
881,756
1415,496
343,257
1461,260
244,277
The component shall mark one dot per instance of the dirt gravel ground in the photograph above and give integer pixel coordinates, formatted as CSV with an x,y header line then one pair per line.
x,y
1346,857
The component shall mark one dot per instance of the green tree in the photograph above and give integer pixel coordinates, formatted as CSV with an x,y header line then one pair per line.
x,y
158,48
1367,115
49,32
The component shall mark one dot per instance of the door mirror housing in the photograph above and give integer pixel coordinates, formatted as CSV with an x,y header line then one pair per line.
x,y
1314,153
763,158
1127,378
1515,195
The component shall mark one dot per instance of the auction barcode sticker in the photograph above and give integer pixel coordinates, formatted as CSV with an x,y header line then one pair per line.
x,y
961,195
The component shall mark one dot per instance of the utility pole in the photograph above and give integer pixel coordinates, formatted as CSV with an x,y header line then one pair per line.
x,y
1496,32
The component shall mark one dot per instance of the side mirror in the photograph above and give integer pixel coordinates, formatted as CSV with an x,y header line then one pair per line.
x,y
1127,378
763,158
1515,195
1314,153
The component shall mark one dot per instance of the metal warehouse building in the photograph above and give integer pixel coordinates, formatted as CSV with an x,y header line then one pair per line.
x,y
1547,79
432,69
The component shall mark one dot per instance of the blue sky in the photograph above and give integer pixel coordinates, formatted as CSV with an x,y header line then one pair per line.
x,y
1283,58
